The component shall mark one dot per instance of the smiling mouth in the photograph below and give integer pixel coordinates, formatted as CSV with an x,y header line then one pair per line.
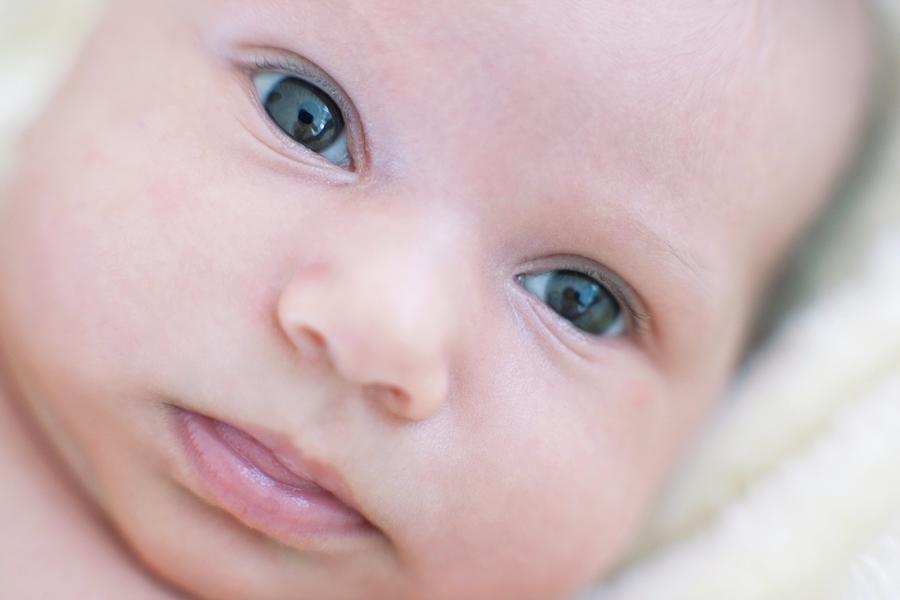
x,y
297,506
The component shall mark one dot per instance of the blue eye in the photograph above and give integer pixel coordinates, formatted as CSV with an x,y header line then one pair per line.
x,y
306,114
578,298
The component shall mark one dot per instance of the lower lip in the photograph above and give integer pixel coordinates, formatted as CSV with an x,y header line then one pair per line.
x,y
288,509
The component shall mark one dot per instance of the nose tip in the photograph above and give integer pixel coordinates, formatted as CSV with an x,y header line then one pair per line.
x,y
392,354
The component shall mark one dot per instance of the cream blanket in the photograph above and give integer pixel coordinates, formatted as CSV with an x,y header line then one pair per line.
x,y
794,490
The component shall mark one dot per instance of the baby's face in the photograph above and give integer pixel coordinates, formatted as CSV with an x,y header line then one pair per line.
x,y
488,262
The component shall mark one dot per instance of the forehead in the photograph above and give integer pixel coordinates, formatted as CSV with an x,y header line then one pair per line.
x,y
560,70
614,100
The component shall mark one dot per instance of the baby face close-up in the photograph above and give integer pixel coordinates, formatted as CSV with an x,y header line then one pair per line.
x,y
325,300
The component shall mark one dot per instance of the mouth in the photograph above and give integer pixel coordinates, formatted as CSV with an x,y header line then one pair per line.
x,y
301,503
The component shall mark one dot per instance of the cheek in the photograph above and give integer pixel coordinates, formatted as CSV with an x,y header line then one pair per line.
x,y
549,472
100,284
80,268
117,239
53,265
107,260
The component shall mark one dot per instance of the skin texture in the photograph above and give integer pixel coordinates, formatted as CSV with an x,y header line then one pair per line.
x,y
160,245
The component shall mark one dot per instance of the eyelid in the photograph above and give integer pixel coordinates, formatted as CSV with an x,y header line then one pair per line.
x,y
257,60
638,318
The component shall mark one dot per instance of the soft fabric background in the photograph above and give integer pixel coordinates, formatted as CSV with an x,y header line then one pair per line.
x,y
794,490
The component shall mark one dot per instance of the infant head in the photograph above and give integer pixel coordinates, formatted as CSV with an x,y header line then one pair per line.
x,y
475,269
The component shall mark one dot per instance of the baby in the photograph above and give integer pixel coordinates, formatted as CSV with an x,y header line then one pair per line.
x,y
308,300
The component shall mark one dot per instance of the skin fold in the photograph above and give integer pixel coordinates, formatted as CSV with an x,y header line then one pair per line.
x,y
163,245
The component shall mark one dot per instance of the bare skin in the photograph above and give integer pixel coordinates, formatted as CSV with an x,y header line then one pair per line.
x,y
164,245
55,544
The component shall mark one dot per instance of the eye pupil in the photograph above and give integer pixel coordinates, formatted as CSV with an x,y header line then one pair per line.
x,y
574,299
305,112
571,294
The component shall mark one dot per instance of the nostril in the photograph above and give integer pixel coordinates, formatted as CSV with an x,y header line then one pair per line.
x,y
309,343
393,398
315,337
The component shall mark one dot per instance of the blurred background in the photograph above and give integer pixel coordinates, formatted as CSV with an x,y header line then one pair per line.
x,y
794,492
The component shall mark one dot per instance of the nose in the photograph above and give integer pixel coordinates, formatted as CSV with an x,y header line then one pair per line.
x,y
378,312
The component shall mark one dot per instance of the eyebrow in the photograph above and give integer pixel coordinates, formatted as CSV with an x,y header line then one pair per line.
x,y
689,266
685,265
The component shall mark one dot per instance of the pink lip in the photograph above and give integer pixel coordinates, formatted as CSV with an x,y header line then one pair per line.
x,y
292,499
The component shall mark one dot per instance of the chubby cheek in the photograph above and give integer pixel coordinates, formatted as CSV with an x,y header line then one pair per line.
x,y
107,280
548,478
107,260
77,279
73,287
121,238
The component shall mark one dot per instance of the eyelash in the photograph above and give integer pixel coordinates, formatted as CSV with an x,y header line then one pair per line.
x,y
638,319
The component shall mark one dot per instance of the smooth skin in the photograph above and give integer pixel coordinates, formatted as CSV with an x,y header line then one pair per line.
x,y
162,244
